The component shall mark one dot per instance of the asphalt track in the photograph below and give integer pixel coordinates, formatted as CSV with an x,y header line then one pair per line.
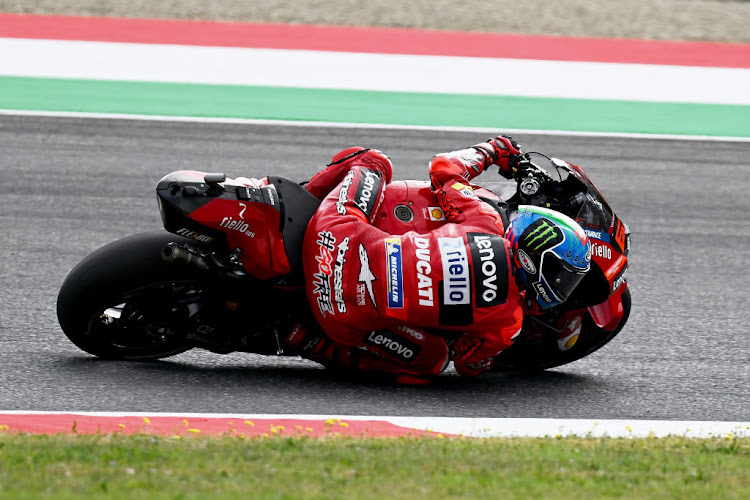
x,y
70,185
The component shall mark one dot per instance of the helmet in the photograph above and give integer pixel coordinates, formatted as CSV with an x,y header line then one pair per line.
x,y
551,252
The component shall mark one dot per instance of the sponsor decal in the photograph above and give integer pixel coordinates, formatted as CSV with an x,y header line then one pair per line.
x,y
238,225
601,250
593,234
616,267
344,193
322,278
187,233
526,262
269,193
365,278
435,214
456,282
621,278
620,234
542,235
361,294
410,331
490,265
394,344
465,190
368,190
425,285
570,334
542,292
395,273
338,275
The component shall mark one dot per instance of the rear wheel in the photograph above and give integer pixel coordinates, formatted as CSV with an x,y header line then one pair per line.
x,y
124,302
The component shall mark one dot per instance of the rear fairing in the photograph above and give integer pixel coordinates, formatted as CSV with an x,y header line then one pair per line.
x,y
245,215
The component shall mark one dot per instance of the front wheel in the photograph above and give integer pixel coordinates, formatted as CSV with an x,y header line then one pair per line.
x,y
124,302
525,355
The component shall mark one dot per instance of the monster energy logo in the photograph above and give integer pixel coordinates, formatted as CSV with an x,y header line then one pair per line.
x,y
542,235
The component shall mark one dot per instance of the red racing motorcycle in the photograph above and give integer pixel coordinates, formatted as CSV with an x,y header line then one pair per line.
x,y
157,294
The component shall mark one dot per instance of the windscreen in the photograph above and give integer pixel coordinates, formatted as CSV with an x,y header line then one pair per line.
x,y
595,214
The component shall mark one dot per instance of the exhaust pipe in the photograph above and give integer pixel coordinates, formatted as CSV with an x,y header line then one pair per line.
x,y
174,253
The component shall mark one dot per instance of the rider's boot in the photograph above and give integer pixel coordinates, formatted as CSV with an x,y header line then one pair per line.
x,y
324,181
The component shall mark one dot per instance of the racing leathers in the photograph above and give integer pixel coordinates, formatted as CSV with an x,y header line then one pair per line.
x,y
389,294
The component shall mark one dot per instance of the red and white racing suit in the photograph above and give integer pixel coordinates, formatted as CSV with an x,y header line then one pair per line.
x,y
384,292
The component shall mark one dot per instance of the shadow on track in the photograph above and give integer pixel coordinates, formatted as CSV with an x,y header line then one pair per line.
x,y
262,387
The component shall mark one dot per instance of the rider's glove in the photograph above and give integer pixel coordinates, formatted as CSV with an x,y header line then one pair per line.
x,y
506,153
469,356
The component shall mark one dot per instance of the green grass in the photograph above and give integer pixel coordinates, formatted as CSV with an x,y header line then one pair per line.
x,y
144,466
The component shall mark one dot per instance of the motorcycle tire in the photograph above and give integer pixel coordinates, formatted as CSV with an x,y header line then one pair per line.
x,y
523,356
124,301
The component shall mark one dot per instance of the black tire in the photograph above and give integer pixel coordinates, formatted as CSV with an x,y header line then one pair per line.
x,y
525,356
129,278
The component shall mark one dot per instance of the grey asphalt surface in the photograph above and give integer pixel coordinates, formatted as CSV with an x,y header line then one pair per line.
x,y
70,185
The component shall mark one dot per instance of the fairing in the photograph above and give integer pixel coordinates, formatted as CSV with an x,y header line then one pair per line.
x,y
245,216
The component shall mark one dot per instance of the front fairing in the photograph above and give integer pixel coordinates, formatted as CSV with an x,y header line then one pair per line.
x,y
609,236
610,243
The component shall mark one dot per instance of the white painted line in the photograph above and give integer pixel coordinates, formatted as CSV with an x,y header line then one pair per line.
x,y
376,72
530,427
322,124
483,427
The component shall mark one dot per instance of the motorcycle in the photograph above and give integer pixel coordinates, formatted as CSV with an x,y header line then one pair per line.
x,y
158,294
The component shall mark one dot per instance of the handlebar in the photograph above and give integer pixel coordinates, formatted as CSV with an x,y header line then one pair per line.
x,y
536,186
529,175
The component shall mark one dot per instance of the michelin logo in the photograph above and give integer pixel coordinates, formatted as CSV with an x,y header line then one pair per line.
x,y
395,273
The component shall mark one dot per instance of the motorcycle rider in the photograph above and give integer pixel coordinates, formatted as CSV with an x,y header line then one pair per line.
x,y
378,297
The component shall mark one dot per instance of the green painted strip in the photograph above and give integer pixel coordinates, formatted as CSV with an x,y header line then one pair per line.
x,y
400,108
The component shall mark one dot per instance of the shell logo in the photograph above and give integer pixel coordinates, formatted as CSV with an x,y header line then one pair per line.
x,y
573,331
436,213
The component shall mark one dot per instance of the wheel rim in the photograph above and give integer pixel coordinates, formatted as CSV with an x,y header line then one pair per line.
x,y
147,322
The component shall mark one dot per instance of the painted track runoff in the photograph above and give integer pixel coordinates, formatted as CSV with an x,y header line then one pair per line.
x,y
265,425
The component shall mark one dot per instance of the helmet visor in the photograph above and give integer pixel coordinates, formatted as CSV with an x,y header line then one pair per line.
x,y
560,277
